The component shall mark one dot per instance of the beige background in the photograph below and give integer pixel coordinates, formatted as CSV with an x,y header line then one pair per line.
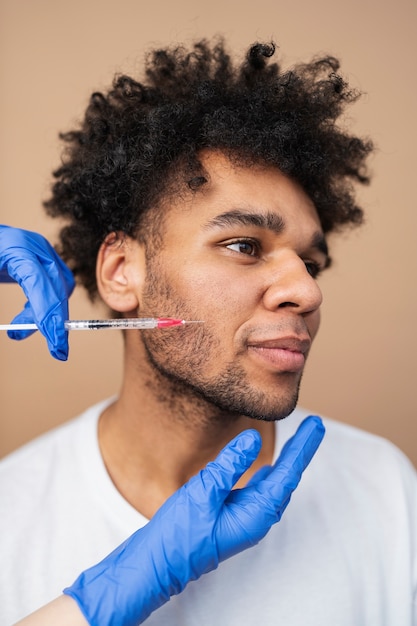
x,y
54,53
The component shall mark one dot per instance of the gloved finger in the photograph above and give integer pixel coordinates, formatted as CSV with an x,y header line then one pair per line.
x,y
266,470
50,321
24,317
23,254
300,449
293,460
46,281
58,344
5,277
27,266
214,483
252,511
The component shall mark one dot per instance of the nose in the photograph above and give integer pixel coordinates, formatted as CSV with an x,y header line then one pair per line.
x,y
291,285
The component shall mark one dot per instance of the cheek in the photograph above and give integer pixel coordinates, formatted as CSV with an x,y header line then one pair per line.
x,y
219,297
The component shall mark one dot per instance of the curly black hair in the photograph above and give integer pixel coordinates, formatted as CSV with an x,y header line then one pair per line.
x,y
139,138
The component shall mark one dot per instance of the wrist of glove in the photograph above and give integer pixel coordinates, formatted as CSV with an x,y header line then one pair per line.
x,y
29,260
202,524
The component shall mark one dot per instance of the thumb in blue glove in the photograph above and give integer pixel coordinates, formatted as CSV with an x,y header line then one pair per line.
x,y
203,523
28,259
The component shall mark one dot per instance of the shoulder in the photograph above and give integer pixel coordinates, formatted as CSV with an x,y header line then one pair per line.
x,y
41,461
364,462
353,442
362,447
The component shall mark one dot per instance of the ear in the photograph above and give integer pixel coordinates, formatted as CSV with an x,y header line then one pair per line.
x,y
120,272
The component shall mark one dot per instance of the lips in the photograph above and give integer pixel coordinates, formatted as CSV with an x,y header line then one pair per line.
x,y
285,354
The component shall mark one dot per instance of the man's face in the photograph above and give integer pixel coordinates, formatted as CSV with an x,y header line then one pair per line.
x,y
241,254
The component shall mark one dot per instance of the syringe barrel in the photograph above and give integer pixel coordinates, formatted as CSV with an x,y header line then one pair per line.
x,y
134,322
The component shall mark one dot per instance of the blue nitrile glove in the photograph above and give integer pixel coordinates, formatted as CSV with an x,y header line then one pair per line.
x,y
28,259
201,524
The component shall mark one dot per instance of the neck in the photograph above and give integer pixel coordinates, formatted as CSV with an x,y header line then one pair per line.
x,y
154,437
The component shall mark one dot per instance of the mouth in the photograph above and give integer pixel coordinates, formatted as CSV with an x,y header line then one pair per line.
x,y
283,354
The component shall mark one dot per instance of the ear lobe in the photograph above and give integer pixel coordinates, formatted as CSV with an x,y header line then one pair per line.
x,y
120,272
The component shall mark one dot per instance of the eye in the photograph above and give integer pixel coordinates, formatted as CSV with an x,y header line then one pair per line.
x,y
244,246
313,268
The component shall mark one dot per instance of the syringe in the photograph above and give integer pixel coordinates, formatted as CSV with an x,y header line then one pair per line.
x,y
122,323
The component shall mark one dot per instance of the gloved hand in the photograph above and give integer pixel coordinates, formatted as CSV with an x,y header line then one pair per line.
x,y
201,524
28,259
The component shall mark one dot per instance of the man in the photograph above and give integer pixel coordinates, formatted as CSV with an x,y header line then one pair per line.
x,y
205,193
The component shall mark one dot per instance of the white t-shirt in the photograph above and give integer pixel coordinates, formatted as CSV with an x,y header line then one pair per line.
x,y
344,553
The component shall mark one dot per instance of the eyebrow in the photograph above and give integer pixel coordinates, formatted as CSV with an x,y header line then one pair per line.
x,y
269,221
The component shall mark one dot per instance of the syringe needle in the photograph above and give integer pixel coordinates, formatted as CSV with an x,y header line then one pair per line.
x,y
141,323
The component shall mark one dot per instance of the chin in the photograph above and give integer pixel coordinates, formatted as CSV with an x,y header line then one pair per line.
x,y
258,405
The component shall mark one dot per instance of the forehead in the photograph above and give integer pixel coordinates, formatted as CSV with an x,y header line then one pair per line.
x,y
256,189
